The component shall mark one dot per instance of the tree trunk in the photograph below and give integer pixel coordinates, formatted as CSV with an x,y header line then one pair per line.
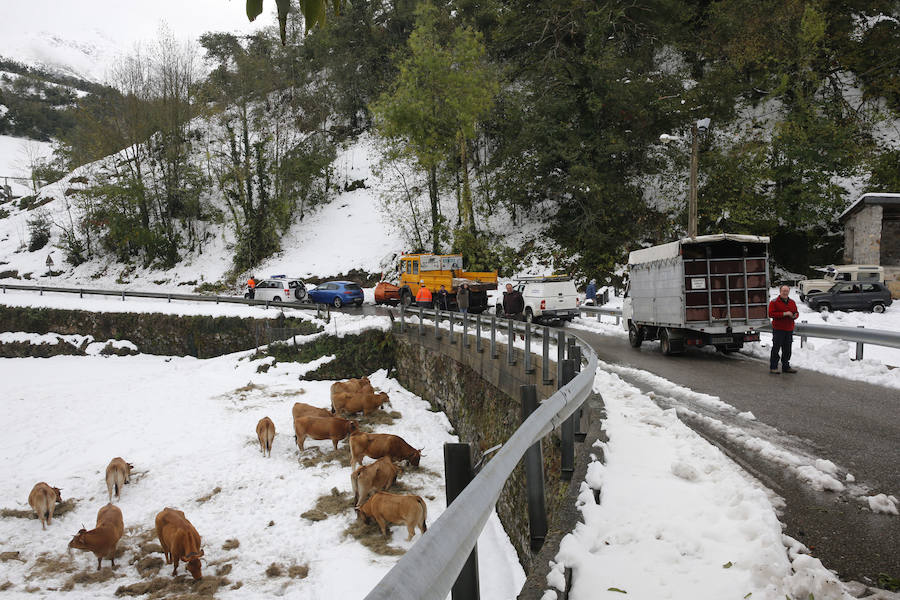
x,y
435,219
469,213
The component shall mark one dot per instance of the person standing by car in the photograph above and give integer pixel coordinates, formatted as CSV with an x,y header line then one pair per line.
x,y
783,312
423,296
251,287
513,303
462,298
590,293
442,297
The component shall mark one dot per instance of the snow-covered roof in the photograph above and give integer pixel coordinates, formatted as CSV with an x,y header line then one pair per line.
x,y
871,198
673,249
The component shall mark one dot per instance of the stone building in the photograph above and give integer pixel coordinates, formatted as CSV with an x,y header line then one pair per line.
x,y
872,233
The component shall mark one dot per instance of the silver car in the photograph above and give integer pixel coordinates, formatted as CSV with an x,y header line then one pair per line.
x,y
279,290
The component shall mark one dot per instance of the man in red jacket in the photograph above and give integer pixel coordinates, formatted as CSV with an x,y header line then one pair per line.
x,y
783,312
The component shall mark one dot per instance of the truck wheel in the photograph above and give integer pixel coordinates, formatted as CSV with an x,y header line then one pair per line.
x,y
635,335
665,344
529,316
405,297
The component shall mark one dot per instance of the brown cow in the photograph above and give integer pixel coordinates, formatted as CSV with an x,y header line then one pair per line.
x,y
319,428
376,445
352,385
103,539
302,409
118,473
179,540
354,402
378,476
265,432
387,508
43,499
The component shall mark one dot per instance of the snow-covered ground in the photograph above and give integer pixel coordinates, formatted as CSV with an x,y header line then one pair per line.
x,y
677,519
16,155
188,427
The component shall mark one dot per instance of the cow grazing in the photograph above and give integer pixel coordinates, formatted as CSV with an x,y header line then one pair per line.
x,y
354,402
319,428
376,445
43,499
378,476
307,410
179,540
352,386
387,508
265,432
118,473
103,539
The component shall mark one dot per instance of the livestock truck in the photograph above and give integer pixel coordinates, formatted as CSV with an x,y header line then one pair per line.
x,y
709,290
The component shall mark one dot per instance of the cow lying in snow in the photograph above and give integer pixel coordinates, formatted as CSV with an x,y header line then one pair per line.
x,y
319,428
352,386
302,409
387,508
354,402
179,540
265,432
118,473
378,476
103,539
43,499
376,445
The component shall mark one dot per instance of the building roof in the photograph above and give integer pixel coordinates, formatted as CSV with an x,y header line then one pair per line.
x,y
882,198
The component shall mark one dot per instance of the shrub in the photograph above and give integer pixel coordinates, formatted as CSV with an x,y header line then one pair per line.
x,y
38,231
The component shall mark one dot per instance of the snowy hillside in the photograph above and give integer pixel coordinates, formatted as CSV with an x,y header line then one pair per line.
x,y
188,427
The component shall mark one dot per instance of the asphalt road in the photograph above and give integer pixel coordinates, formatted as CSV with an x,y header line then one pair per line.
x,y
856,425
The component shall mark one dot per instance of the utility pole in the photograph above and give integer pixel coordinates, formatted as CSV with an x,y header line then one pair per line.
x,y
692,200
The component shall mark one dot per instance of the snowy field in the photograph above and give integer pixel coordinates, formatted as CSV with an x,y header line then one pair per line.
x,y
15,157
677,519
188,427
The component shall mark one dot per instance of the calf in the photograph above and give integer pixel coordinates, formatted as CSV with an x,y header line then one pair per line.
x,y
319,428
354,402
265,432
103,539
118,473
306,410
179,541
387,508
43,499
376,445
378,476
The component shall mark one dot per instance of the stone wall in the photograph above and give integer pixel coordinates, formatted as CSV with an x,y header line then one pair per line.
x,y
862,236
480,396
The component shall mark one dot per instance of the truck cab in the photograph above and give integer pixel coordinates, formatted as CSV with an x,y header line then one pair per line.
x,y
435,270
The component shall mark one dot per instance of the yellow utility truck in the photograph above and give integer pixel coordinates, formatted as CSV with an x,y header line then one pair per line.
x,y
436,270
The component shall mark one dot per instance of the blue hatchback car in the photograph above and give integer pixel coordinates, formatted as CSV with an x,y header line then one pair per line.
x,y
337,293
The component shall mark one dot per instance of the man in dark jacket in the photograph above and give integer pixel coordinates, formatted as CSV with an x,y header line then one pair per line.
x,y
462,298
442,299
513,303
783,312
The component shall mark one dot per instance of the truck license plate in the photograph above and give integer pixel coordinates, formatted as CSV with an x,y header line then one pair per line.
x,y
721,339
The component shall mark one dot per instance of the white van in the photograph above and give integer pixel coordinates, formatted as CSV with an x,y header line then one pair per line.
x,y
551,298
836,274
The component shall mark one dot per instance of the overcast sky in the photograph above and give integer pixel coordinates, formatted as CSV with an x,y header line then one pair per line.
x,y
87,34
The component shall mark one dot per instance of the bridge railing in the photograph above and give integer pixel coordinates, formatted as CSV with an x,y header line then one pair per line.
x,y
430,568
860,335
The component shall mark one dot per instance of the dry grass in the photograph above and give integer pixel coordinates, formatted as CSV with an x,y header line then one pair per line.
x,y
61,509
223,570
230,544
183,587
12,555
341,456
298,571
370,537
297,392
5,586
274,570
314,515
379,417
50,565
149,566
250,387
208,496
87,577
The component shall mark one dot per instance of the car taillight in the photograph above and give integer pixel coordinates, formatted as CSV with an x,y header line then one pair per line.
x,y
577,301
543,304
287,292
348,292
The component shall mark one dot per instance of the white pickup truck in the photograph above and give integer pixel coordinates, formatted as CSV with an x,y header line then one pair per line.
x,y
550,298
836,274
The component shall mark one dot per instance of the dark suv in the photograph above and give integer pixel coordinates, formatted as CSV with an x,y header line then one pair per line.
x,y
852,295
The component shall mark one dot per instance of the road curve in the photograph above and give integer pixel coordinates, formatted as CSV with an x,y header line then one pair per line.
x,y
856,425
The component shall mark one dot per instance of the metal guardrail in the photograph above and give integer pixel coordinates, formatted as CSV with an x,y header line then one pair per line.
x,y
859,335
428,570
162,296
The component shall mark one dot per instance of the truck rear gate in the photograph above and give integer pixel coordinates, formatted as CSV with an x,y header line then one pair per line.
x,y
725,282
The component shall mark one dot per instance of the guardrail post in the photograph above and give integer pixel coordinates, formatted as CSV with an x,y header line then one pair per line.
x,y
217,299
510,340
402,319
575,355
421,322
803,339
859,346
599,314
123,295
452,338
528,367
4,289
560,357
618,318
478,343
534,475
437,325
545,356
458,474
169,298
494,353
567,431
465,333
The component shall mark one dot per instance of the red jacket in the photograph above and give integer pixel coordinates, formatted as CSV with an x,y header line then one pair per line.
x,y
776,308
